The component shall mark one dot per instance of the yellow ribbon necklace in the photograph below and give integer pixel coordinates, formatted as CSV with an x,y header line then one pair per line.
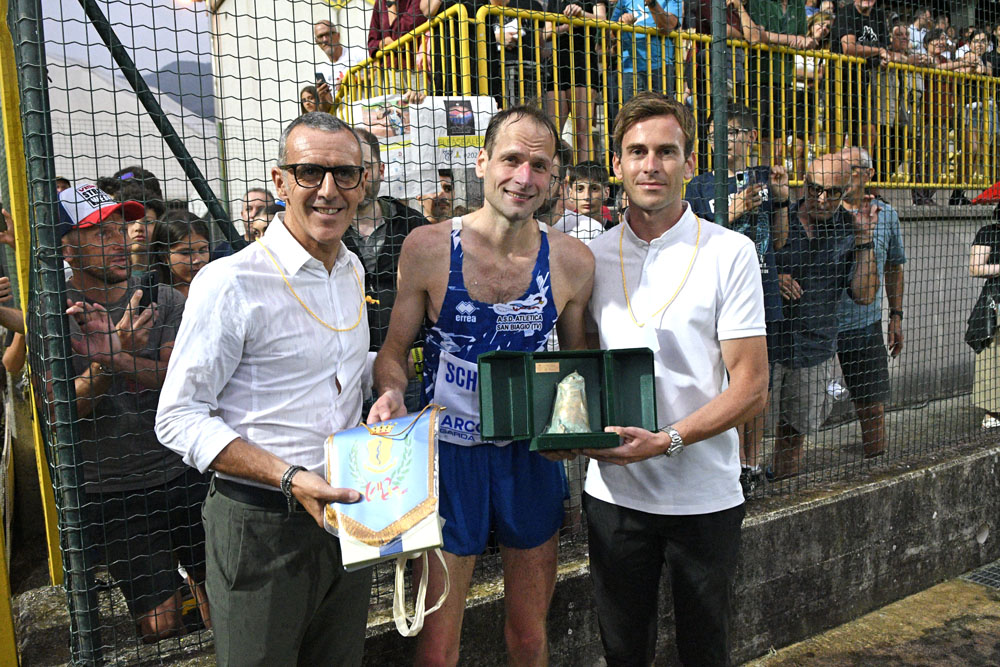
x,y
302,303
621,263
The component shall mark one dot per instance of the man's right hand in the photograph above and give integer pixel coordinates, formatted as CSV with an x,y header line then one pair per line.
x,y
389,405
314,494
747,200
98,339
789,287
323,92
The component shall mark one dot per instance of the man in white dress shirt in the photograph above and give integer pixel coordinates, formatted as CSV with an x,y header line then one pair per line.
x,y
268,362
691,291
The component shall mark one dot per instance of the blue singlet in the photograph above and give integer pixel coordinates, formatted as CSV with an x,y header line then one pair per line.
x,y
467,328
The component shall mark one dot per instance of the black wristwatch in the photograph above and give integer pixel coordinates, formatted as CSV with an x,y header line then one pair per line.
x,y
893,312
779,204
865,246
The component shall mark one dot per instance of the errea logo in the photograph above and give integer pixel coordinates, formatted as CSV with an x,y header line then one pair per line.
x,y
465,312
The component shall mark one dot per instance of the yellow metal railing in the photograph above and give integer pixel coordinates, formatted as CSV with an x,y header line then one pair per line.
x,y
432,59
923,127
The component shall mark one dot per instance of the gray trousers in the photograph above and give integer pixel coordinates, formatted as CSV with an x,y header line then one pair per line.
x,y
277,591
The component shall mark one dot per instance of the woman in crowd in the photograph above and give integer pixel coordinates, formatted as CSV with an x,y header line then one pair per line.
x,y
809,71
937,115
984,262
309,100
980,109
180,249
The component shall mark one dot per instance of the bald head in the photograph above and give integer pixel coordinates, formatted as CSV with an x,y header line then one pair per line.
x,y
858,163
827,180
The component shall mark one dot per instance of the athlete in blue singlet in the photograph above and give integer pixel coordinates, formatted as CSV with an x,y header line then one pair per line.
x,y
501,485
489,281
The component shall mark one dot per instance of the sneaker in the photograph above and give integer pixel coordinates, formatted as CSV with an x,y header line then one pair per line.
x,y
838,391
989,421
751,479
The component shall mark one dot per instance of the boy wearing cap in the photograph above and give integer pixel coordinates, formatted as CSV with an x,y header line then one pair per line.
x,y
142,504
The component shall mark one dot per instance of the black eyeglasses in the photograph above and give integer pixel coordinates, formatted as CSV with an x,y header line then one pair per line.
x,y
831,193
345,176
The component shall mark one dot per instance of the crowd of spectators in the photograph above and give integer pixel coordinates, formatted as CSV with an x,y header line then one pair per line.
x,y
920,125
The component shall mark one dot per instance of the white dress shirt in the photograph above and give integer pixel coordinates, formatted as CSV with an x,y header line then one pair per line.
x,y
721,299
250,362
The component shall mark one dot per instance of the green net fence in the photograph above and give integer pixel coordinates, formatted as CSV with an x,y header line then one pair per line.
x,y
802,115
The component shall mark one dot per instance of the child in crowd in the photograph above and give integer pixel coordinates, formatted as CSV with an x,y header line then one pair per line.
x,y
180,249
588,188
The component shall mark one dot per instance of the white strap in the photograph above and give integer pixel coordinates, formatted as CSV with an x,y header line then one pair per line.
x,y
456,223
542,226
407,625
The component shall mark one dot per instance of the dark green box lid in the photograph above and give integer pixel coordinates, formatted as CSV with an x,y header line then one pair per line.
x,y
517,391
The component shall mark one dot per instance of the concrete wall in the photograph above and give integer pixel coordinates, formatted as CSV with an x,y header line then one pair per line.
x,y
807,564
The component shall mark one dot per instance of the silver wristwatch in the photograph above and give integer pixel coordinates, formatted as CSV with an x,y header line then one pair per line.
x,y
676,441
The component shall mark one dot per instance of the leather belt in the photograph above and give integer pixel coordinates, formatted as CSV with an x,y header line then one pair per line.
x,y
254,495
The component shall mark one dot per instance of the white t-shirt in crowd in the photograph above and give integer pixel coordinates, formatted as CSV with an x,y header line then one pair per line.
x,y
349,57
578,226
721,299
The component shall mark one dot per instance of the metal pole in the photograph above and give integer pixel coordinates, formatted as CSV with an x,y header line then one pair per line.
x,y
26,29
162,123
720,110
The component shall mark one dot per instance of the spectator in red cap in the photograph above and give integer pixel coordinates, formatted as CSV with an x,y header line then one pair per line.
x,y
141,506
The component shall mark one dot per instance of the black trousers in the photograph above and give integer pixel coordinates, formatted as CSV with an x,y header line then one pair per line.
x,y
628,549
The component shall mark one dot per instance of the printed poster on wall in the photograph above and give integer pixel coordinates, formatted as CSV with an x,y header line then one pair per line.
x,y
420,139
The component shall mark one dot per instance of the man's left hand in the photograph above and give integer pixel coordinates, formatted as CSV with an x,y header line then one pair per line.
x,y
864,220
779,183
895,336
638,444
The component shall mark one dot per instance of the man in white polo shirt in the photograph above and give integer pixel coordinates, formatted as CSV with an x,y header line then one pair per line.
x,y
691,291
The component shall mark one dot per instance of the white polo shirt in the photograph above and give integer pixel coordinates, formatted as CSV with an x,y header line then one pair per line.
x,y
720,300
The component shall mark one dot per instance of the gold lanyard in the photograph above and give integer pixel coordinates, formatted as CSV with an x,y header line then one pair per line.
x,y
316,317
621,263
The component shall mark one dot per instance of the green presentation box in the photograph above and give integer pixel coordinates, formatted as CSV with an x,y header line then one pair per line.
x,y
517,391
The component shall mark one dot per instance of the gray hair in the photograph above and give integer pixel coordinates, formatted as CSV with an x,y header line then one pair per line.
x,y
314,120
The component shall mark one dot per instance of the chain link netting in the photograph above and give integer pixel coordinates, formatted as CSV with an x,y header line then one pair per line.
x,y
866,127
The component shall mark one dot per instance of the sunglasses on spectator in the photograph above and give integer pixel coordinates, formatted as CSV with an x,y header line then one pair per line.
x,y
831,193
345,176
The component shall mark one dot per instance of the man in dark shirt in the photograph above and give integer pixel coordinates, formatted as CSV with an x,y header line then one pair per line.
x,y
507,37
829,250
862,30
376,237
758,209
